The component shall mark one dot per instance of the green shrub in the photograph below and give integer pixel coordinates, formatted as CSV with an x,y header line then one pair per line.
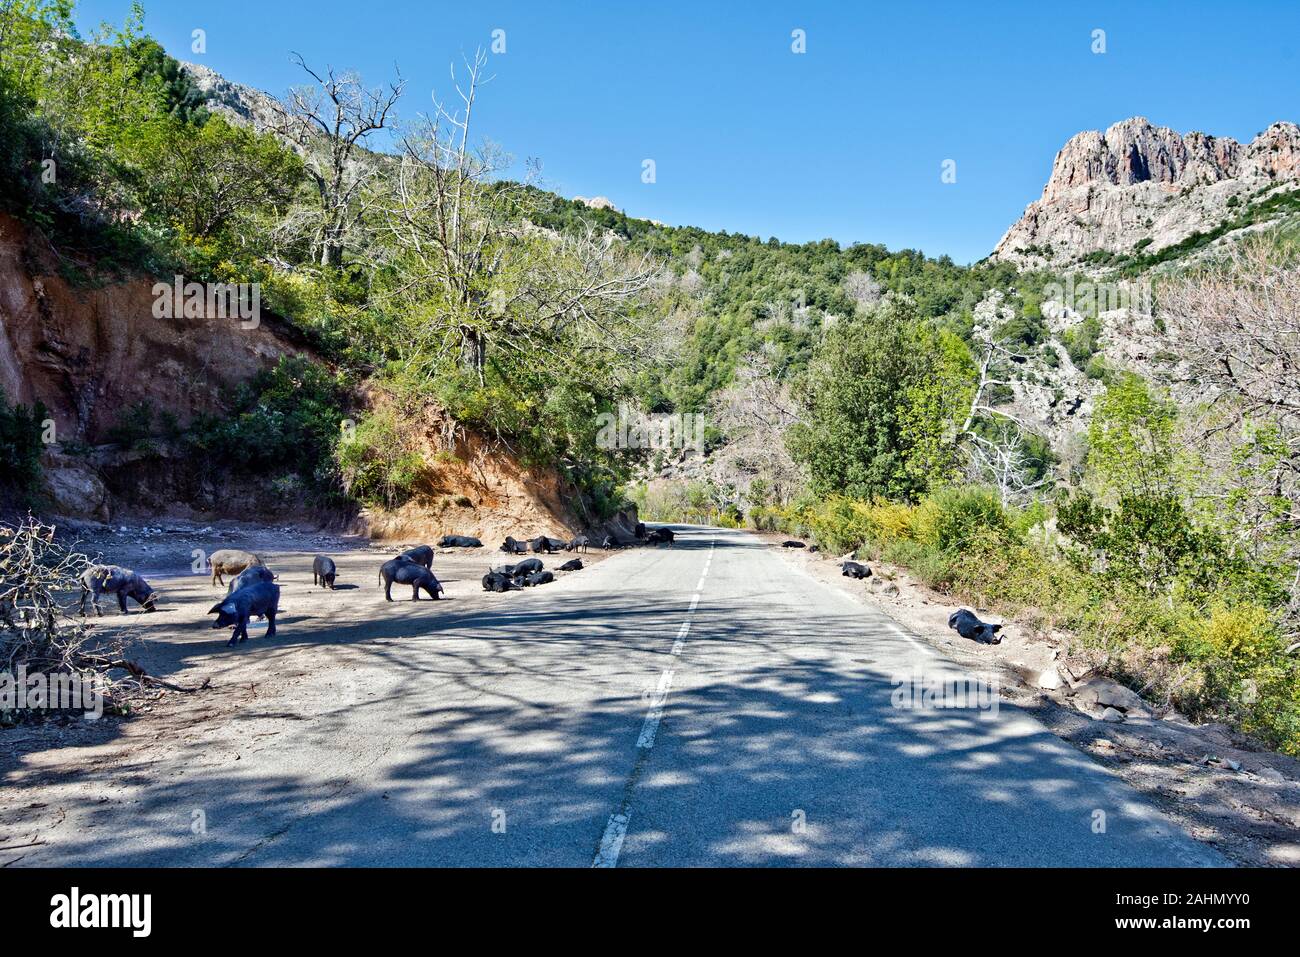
x,y
956,519
20,447
376,463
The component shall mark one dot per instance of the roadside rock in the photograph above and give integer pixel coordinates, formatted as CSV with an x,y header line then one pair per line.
x,y
1049,680
1113,715
1105,693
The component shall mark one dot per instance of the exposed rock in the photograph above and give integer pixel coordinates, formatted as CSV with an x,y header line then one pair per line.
x,y
1113,715
1137,182
77,492
91,354
235,101
597,202
1105,693
1049,680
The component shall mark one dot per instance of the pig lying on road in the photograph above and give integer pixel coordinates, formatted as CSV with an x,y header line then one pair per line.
x,y
261,599
538,578
406,572
970,627
118,581
498,581
230,561
459,541
573,565
323,572
855,570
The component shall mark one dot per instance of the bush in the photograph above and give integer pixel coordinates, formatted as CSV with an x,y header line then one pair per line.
x,y
133,426
20,447
287,419
377,465
957,519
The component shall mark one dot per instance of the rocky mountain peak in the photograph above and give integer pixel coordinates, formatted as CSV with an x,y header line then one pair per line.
x,y
1138,183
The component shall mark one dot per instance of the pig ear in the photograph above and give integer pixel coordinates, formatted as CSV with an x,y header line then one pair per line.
x,y
214,609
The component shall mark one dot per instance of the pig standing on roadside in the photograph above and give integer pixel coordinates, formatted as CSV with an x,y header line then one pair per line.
x,y
323,572
420,554
250,576
230,561
406,572
261,599
118,581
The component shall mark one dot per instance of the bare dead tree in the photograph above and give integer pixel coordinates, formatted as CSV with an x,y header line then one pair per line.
x,y
480,275
330,121
863,289
1003,461
1235,323
755,413
988,378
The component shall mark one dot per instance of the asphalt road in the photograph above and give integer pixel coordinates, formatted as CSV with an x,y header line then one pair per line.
x,y
700,704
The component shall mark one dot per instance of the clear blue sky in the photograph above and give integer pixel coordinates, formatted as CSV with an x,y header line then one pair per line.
x,y
844,141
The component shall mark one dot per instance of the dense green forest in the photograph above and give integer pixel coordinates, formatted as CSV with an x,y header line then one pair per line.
x,y
424,277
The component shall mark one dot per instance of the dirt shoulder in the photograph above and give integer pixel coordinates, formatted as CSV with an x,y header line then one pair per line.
x,y
1220,786
330,644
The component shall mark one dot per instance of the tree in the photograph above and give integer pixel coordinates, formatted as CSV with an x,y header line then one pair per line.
x,y
482,284
1235,323
755,414
206,180
874,409
330,122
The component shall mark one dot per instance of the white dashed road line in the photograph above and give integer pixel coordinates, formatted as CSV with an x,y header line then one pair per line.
x,y
611,843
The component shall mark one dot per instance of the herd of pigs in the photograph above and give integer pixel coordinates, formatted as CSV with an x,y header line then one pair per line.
x,y
253,593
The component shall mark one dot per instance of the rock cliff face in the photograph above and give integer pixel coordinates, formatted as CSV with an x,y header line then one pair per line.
x,y
90,354
1142,184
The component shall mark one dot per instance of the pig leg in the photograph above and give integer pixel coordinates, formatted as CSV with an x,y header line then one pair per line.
x,y
121,602
270,623
415,592
84,592
388,589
